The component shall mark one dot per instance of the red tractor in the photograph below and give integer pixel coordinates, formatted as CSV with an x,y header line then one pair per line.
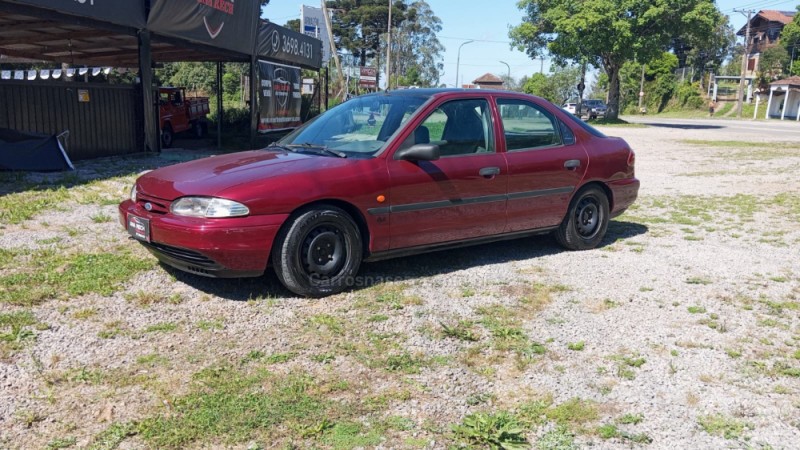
x,y
178,114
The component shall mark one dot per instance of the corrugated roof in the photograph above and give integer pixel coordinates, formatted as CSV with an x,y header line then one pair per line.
x,y
791,81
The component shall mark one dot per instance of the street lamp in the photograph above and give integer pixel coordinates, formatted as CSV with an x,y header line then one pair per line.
x,y
508,80
458,59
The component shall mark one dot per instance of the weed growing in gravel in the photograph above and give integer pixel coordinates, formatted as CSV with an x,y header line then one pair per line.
x,y
15,332
626,365
559,438
208,325
722,425
463,330
162,327
49,274
85,314
630,419
61,443
576,346
495,431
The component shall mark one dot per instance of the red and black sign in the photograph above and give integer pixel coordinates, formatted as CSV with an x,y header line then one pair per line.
x,y
226,24
127,13
279,97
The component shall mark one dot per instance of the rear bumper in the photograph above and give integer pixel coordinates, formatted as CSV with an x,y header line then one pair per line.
x,y
624,193
224,248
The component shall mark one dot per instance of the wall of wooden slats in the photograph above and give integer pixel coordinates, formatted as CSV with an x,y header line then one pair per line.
x,y
109,124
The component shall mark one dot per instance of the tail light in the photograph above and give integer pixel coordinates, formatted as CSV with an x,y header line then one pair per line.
x,y
631,158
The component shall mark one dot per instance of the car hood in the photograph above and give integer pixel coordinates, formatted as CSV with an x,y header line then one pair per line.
x,y
210,176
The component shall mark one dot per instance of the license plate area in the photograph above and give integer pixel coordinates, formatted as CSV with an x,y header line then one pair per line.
x,y
139,228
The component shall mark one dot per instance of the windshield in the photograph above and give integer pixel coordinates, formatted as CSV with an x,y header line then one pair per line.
x,y
358,127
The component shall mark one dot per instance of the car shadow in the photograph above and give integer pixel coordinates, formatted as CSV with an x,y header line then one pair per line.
x,y
682,126
410,267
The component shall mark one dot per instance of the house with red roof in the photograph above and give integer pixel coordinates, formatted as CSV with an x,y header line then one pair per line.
x,y
765,32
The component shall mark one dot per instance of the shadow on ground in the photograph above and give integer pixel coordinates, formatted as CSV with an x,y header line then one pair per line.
x,y
683,126
409,268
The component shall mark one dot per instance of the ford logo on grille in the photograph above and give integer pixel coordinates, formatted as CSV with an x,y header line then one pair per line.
x,y
148,206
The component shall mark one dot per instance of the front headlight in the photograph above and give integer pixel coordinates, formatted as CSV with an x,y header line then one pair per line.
x,y
208,207
133,193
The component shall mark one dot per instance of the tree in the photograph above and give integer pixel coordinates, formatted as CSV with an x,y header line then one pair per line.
x,y
357,25
607,33
416,47
558,87
773,63
790,39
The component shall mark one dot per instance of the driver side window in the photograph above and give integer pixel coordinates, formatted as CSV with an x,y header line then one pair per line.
x,y
459,127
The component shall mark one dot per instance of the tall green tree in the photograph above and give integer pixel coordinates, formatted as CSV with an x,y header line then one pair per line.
x,y
557,87
416,48
358,25
607,33
790,39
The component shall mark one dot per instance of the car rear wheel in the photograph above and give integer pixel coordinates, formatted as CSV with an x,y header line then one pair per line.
x,y
167,136
586,222
318,252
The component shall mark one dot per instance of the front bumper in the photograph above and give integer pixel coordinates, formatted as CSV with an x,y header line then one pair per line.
x,y
224,248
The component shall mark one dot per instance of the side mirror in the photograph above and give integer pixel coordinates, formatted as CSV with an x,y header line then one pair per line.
x,y
418,152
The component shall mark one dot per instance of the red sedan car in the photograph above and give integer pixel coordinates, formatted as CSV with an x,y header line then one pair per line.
x,y
385,175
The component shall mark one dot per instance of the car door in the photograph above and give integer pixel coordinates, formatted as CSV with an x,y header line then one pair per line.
x,y
545,164
459,196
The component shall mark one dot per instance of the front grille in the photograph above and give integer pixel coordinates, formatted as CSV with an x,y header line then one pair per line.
x,y
182,254
158,205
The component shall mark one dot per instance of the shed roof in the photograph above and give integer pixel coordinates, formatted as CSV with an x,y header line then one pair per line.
x,y
791,81
488,78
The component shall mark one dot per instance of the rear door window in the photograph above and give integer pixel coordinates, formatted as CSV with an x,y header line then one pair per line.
x,y
527,126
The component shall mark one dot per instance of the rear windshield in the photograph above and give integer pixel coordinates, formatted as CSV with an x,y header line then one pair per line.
x,y
592,130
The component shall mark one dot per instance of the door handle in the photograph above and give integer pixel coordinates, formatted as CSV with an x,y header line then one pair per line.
x,y
572,164
489,172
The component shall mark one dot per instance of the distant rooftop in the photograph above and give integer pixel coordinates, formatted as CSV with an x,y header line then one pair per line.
x,y
770,15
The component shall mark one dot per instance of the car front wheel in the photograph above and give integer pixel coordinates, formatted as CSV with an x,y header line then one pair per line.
x,y
318,252
586,222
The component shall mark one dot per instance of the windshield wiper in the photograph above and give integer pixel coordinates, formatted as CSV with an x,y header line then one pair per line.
x,y
280,147
320,149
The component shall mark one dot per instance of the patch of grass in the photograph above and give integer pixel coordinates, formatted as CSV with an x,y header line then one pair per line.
x,y
494,431
152,359
378,318
112,437
698,280
405,362
721,425
101,218
463,330
576,346
84,314
15,332
607,431
207,325
574,411
630,419
61,443
227,405
696,310
328,322
279,358
616,123
559,438
51,274
163,327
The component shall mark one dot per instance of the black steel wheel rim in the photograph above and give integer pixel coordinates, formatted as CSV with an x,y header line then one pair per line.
x,y
588,217
323,252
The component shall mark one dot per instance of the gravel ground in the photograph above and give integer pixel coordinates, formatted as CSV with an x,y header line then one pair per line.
x,y
687,319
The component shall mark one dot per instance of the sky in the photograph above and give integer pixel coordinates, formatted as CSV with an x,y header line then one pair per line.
x,y
487,24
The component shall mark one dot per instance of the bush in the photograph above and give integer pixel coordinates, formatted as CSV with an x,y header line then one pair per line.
x,y
688,96
232,118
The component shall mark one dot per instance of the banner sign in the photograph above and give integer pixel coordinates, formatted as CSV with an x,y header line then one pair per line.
x,y
312,23
279,98
368,78
127,13
219,23
282,44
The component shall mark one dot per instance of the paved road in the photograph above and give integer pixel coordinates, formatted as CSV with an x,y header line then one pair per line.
x,y
786,130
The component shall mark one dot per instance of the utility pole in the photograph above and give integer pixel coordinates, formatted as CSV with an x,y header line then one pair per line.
x,y
334,52
745,57
641,89
508,78
389,50
458,58
541,68
581,86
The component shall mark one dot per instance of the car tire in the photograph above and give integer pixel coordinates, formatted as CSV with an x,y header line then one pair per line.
x,y
318,252
586,222
198,129
167,136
